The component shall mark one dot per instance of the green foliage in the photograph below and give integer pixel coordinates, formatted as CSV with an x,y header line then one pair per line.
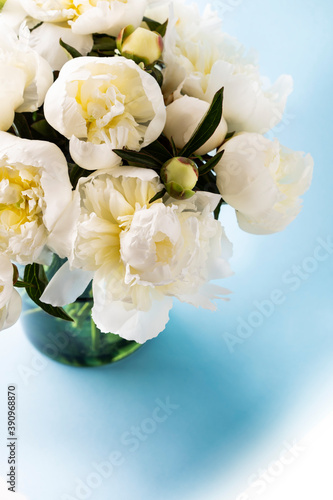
x,y
71,50
76,172
210,164
21,126
206,127
158,196
104,46
34,274
138,158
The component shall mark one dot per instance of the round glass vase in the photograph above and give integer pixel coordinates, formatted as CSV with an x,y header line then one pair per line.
x,y
78,342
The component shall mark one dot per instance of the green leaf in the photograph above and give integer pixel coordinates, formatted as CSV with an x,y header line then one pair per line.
x,y
22,284
159,150
229,136
104,46
174,149
218,210
138,159
155,73
21,127
207,182
104,43
211,164
71,50
76,172
34,274
44,128
206,127
152,25
162,29
158,196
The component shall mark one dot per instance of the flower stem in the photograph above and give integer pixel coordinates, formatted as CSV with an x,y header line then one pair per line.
x,y
94,336
81,311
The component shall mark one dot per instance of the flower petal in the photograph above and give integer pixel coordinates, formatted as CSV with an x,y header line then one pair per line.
x,y
66,286
13,310
93,156
45,40
125,320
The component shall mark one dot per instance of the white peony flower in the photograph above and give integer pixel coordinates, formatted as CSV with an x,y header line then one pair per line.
x,y
140,255
104,103
24,77
183,117
44,38
263,181
34,191
200,59
10,300
88,16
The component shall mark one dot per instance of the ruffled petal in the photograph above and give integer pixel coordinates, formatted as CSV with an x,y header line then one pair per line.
x,y
125,320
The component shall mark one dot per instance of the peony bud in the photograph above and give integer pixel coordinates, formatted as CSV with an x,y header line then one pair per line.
x,y
179,176
183,117
141,45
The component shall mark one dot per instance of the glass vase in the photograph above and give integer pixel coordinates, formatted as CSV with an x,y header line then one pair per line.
x,y
77,343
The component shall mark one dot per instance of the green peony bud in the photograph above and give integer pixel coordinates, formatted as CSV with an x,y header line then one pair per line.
x,y
179,176
141,45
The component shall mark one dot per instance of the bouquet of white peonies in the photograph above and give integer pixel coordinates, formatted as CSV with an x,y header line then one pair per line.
x,y
125,127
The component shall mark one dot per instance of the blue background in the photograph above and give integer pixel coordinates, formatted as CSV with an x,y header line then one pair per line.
x,y
234,409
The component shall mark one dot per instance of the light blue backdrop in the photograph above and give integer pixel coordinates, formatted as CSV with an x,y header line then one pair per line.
x,y
230,411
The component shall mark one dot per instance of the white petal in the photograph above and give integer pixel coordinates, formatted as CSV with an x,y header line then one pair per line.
x,y
12,84
34,94
45,40
52,12
125,320
13,310
110,17
13,14
93,156
54,175
62,237
6,280
199,202
66,286
203,298
144,174
57,105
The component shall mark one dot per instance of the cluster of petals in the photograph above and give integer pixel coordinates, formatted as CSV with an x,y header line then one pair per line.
x,y
139,255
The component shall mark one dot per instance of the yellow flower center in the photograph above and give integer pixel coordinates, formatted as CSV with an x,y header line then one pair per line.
x,y
79,8
20,195
164,250
113,104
